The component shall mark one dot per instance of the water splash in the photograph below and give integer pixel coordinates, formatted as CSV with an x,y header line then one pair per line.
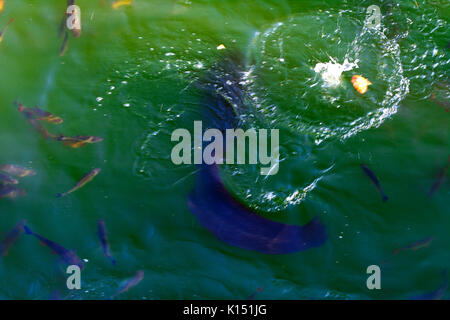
x,y
331,71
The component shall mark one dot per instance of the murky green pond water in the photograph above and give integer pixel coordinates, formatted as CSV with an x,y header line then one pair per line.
x,y
130,79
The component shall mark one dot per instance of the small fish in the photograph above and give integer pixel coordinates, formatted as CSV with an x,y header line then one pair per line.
x,y
252,297
374,179
360,83
11,192
6,179
38,114
63,49
119,3
416,245
78,141
17,171
2,32
440,178
40,128
86,178
434,295
130,283
104,240
11,237
69,256
2,5
46,116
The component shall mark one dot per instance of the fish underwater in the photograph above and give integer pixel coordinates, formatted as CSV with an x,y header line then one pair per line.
x,y
40,128
18,171
11,192
2,32
216,208
101,230
434,295
83,181
69,256
138,277
360,83
423,243
38,114
375,181
416,245
78,141
6,179
119,3
439,178
11,237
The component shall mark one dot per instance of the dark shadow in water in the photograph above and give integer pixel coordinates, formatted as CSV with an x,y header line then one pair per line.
x,y
217,209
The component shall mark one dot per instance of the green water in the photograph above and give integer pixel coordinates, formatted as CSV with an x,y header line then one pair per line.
x,y
130,78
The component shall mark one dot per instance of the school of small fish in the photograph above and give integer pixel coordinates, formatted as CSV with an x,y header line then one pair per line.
x,y
10,174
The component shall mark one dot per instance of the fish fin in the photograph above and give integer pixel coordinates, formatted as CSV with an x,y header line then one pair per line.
x,y
27,230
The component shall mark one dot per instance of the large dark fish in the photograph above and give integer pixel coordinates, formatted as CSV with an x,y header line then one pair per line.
x,y
440,178
69,256
234,223
375,181
104,240
86,179
138,277
217,209
434,295
11,237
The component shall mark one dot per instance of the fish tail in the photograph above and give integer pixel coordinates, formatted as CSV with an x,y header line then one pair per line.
x,y
27,230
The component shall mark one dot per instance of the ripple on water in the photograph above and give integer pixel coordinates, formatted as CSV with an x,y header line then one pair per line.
x,y
284,57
